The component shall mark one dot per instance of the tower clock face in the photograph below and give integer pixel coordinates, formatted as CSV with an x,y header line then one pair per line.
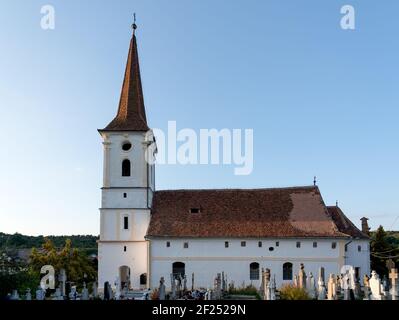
x,y
126,146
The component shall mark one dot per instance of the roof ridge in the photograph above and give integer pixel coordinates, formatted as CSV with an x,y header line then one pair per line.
x,y
238,189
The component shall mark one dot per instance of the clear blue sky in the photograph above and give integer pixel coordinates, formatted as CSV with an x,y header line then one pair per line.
x,y
322,101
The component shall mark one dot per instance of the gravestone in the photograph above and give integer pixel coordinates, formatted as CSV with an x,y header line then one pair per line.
x,y
73,294
14,295
332,288
58,294
321,289
62,278
366,287
162,289
376,287
94,290
40,294
185,283
107,293
28,295
393,276
85,292
311,286
117,284
302,277
346,286
173,286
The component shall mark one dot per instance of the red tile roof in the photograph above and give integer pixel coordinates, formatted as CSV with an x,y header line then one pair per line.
x,y
131,112
279,212
344,224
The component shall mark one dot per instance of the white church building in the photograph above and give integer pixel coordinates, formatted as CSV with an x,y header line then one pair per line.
x,y
147,234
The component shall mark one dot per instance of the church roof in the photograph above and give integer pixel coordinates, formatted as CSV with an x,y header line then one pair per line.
x,y
131,112
344,224
278,212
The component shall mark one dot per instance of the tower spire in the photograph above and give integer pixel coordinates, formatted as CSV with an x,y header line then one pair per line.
x,y
131,112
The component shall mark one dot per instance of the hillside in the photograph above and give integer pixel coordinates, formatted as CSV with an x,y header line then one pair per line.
x,y
17,241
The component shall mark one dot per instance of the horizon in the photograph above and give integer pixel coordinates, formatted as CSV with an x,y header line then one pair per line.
x,y
321,101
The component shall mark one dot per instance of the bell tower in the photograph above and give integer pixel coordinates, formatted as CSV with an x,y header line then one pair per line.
x,y
128,185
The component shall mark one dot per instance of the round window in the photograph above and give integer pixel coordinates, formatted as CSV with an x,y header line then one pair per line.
x,y
271,248
126,146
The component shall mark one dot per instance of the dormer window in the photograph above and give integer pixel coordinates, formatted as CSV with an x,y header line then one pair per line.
x,y
195,210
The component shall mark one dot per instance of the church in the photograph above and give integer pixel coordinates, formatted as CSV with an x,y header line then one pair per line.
x,y
147,234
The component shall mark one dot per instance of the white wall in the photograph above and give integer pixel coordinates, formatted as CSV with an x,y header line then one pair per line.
x,y
207,257
356,258
111,256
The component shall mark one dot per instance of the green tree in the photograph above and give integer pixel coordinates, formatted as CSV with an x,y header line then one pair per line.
x,y
78,266
381,251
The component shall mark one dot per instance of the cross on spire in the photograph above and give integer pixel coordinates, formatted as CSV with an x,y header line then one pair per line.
x,y
134,25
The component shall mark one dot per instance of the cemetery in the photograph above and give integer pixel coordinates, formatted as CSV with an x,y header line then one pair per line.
x,y
344,286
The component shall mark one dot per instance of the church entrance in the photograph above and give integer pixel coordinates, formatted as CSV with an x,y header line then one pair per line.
x,y
178,269
124,276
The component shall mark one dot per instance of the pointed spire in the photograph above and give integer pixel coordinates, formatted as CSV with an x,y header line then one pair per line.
x,y
131,112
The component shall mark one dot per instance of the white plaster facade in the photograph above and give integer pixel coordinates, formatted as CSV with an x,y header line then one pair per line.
x,y
124,197
207,257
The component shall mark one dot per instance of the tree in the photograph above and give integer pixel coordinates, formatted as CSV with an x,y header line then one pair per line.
x,y
381,251
77,266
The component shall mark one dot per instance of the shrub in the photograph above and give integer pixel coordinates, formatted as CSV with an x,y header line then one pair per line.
x,y
290,292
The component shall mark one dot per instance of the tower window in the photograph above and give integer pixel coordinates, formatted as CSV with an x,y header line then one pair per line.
x,y
125,223
167,244
260,244
277,243
315,244
226,244
126,146
125,195
243,244
298,244
185,245
126,168
333,245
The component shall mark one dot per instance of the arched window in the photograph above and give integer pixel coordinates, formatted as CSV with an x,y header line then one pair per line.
x,y
254,271
143,279
287,271
126,168
178,269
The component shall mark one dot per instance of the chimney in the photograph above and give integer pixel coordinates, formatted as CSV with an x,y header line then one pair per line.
x,y
365,226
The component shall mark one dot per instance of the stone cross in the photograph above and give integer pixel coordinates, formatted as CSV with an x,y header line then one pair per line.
x,y
162,289
375,287
393,276
332,288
